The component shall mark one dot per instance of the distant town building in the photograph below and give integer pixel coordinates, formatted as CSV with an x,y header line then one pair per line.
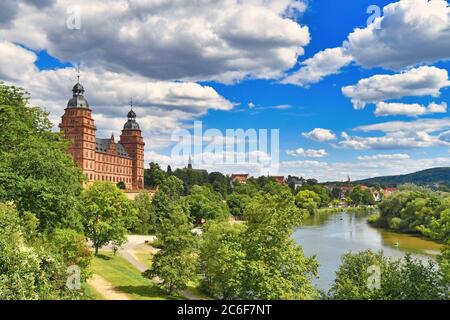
x,y
103,159
295,182
387,192
241,178
278,179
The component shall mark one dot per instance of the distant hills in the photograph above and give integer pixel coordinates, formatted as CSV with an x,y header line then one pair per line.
x,y
424,177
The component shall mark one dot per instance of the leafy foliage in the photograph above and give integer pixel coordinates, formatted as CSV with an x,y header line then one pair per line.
x,y
206,204
36,268
175,265
308,200
146,219
222,260
258,260
406,279
35,171
154,176
108,214
321,191
417,210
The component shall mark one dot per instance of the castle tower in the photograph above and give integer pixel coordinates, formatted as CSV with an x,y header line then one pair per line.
x,y
78,126
132,141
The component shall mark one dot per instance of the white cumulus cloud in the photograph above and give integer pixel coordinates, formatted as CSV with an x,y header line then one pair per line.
x,y
222,40
411,32
322,64
162,106
411,110
394,156
320,135
307,153
422,81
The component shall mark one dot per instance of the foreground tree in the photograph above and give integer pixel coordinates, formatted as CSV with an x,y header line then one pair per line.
x,y
32,267
258,260
35,171
372,276
444,262
222,260
276,267
108,214
175,264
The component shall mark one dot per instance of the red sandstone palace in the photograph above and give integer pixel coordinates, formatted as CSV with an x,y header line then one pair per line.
x,y
103,159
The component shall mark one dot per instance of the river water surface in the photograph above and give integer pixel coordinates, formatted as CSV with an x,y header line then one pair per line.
x,y
329,237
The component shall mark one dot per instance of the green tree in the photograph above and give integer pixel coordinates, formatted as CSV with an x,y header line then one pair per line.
x,y
121,185
308,200
176,263
191,178
72,248
220,183
241,196
444,262
321,191
207,204
35,171
356,195
417,210
258,259
222,260
154,176
30,269
146,220
368,198
108,214
276,267
173,187
406,279
169,192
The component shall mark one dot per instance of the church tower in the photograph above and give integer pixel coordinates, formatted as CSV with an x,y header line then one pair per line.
x,y
78,126
131,139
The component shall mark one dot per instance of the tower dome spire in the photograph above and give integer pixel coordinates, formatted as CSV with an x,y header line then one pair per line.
x,y
131,124
78,100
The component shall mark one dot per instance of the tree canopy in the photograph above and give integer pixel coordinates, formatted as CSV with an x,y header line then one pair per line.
x,y
35,171
108,214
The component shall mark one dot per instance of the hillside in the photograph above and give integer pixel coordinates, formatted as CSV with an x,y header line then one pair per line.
x,y
425,177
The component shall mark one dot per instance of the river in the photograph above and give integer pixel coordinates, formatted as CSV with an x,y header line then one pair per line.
x,y
328,237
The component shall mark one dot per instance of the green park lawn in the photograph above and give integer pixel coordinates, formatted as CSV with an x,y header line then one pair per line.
x,y
145,258
125,278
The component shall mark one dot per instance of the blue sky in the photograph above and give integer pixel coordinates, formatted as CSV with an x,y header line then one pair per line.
x,y
186,84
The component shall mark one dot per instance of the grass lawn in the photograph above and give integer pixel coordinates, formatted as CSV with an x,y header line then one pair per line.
x,y
145,257
126,278
91,294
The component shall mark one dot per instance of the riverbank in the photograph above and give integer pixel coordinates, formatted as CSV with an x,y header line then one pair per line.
x,y
356,210
329,237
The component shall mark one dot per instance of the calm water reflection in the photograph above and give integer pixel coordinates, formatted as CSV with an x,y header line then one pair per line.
x,y
329,237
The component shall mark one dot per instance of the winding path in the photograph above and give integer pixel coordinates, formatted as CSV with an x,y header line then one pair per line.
x,y
106,289
127,252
